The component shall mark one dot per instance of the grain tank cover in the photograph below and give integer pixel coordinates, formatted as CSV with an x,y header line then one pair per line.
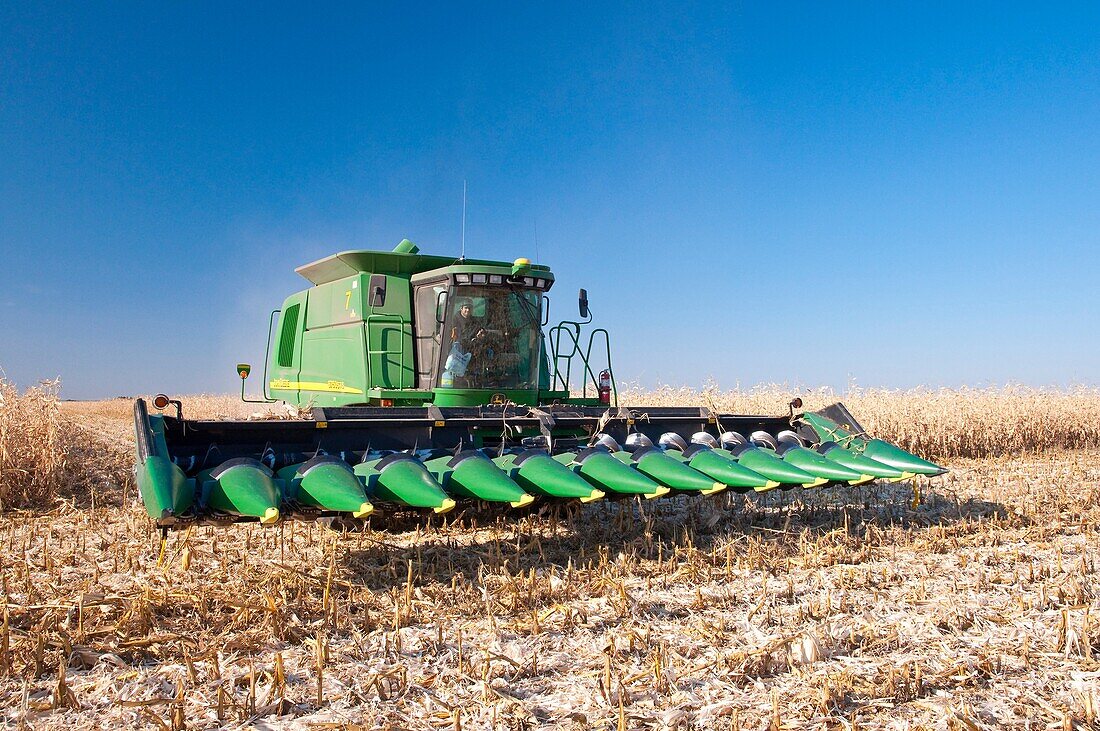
x,y
403,260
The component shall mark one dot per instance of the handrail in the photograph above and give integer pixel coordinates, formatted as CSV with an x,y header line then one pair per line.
x,y
555,345
607,352
267,350
267,358
573,330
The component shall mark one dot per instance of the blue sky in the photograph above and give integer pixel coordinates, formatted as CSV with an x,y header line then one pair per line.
x,y
791,193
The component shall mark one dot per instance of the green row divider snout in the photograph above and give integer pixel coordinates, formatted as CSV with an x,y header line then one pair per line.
x,y
328,483
885,452
470,474
599,468
859,462
660,467
403,479
703,458
244,487
769,464
537,472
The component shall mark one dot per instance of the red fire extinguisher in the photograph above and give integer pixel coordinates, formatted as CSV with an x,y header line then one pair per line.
x,y
605,386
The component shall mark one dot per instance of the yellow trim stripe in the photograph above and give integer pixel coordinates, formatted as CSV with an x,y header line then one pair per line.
x,y
326,386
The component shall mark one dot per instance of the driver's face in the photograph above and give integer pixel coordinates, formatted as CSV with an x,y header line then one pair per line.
x,y
464,311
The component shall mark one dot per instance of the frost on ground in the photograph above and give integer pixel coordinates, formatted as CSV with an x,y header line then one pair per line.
x,y
969,604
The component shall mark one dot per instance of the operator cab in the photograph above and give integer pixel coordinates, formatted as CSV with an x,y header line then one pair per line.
x,y
491,338
479,330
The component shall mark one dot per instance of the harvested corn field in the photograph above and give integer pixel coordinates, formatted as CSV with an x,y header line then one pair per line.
x,y
966,603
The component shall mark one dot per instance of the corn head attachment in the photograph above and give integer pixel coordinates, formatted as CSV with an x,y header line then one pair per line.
x,y
354,461
434,382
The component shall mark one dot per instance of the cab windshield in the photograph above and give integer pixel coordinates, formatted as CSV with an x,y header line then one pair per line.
x,y
491,338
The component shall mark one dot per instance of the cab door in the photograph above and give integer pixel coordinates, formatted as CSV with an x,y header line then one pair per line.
x,y
430,304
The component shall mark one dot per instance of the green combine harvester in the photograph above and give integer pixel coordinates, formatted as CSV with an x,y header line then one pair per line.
x,y
435,381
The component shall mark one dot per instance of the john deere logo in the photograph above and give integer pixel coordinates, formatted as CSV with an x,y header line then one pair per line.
x,y
498,398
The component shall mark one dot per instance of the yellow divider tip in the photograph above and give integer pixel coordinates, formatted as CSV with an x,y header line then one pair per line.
x,y
270,516
445,507
717,487
596,495
816,483
364,510
661,491
908,475
523,501
863,479
769,485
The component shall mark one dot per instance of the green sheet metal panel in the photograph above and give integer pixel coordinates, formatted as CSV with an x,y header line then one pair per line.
x,y
333,369
335,303
390,356
286,351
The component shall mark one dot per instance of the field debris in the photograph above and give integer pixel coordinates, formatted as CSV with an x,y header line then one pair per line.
x,y
967,604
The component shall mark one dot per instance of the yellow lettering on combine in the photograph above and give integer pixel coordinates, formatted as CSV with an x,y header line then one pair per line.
x,y
327,386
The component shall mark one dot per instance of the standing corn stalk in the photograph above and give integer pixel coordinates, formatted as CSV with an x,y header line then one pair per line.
x,y
33,449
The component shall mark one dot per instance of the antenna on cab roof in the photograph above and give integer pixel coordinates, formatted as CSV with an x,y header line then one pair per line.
x,y
463,256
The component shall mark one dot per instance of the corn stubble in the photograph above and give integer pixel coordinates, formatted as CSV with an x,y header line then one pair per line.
x,y
968,603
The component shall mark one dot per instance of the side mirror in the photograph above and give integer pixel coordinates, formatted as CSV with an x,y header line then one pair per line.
x,y
796,403
162,402
582,302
